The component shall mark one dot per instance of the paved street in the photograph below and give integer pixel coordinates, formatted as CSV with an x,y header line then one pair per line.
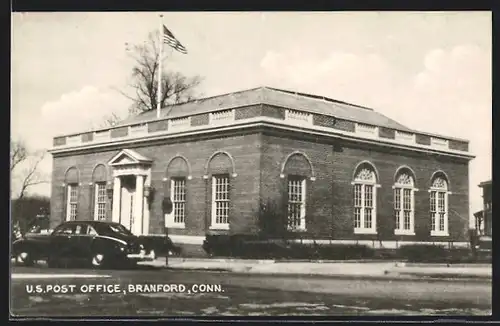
x,y
184,293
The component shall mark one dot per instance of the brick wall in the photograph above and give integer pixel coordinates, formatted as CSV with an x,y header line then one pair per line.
x,y
258,160
119,132
199,120
330,197
160,125
247,112
245,186
459,145
386,133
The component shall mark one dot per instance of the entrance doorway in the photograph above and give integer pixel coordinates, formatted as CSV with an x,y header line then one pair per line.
x,y
127,201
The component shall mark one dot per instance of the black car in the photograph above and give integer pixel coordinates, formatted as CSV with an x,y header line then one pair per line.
x,y
96,243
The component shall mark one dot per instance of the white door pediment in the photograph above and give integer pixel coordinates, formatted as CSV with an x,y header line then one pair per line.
x,y
129,157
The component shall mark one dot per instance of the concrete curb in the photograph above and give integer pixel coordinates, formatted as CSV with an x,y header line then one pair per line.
x,y
390,276
397,263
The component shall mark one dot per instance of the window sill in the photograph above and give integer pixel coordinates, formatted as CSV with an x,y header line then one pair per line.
x,y
219,227
439,234
365,231
176,226
404,232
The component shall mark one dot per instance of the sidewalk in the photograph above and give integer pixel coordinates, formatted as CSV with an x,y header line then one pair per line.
x,y
338,269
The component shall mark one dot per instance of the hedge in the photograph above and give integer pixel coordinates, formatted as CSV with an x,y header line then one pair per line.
x,y
253,247
248,247
159,245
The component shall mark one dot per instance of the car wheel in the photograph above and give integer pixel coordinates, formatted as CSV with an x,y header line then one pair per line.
x,y
24,258
97,260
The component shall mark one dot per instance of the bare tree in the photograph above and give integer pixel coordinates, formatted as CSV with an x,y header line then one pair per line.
x,y
175,86
110,120
18,153
24,167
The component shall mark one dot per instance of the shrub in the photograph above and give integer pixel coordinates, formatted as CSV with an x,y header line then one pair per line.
x,y
345,252
422,253
385,254
159,245
242,246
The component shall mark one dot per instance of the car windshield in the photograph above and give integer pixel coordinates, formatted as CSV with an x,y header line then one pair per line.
x,y
112,228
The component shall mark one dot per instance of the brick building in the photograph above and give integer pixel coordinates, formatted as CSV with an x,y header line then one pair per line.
x,y
483,218
338,171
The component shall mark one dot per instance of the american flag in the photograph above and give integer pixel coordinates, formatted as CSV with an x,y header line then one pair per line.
x,y
170,39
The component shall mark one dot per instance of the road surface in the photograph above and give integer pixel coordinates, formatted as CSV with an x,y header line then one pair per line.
x,y
158,292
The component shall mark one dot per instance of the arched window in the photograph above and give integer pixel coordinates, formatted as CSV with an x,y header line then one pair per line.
x,y
404,202
439,205
177,174
297,168
219,169
365,199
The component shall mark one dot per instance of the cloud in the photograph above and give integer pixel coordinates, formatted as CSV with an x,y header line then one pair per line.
x,y
81,110
450,95
76,111
359,78
454,97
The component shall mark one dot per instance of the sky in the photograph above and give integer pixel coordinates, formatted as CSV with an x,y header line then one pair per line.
x,y
430,71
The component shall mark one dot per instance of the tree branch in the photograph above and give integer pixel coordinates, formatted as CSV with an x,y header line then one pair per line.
x,y
176,87
18,153
31,177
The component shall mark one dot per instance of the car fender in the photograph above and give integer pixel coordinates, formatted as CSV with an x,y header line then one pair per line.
x,y
34,249
107,245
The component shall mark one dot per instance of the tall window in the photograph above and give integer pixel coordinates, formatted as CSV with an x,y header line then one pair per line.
x,y
100,201
178,196
220,201
296,203
72,202
365,200
404,203
439,206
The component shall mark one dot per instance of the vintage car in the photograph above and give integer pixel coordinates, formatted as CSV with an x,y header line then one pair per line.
x,y
483,246
95,243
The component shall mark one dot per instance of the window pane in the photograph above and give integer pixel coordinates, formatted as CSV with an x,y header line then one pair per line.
x,y
101,200
368,218
296,201
357,217
357,195
221,204
433,201
407,220
441,204
407,199
368,196
73,201
397,198
397,215
441,221
179,199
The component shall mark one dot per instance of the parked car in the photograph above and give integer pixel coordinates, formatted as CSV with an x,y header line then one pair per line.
x,y
96,243
483,245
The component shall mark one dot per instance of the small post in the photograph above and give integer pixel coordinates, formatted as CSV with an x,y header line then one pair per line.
x,y
166,209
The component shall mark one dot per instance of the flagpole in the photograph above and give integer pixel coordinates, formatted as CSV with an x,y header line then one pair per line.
x,y
159,95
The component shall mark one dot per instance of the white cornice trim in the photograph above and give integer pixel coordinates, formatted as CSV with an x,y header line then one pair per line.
x,y
262,122
259,102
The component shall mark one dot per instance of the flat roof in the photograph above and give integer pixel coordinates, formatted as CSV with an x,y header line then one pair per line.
x,y
485,183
